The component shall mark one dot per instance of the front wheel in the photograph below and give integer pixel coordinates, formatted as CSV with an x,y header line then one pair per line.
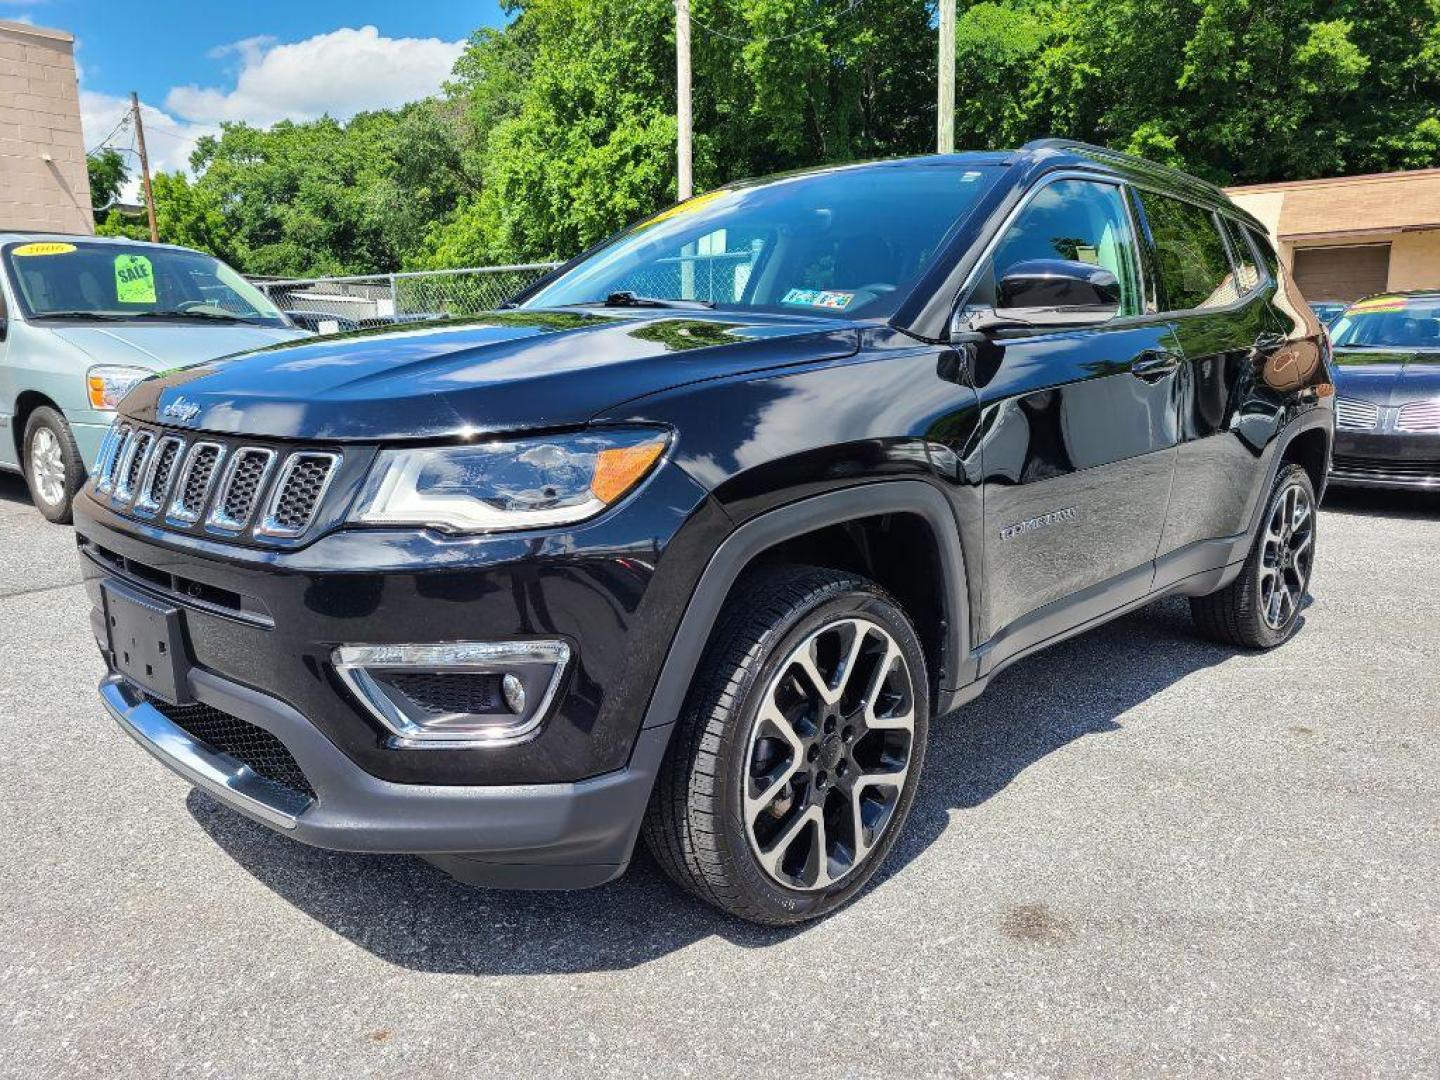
x,y
794,764
53,468
1261,608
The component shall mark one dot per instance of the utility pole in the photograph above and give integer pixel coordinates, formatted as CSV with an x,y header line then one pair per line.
x,y
945,114
684,181
144,167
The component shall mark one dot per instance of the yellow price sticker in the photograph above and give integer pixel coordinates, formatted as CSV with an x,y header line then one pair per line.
x,y
134,280
50,247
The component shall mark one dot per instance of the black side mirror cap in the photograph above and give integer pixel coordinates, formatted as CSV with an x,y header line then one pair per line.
x,y
1047,293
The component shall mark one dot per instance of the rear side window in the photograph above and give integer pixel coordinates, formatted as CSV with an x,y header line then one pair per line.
x,y
1194,269
1261,243
1246,270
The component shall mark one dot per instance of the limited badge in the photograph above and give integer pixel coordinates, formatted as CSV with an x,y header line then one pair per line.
x,y
134,280
49,247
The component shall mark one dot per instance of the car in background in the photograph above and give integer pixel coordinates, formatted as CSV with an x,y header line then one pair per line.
x,y
1387,392
322,322
82,320
1327,311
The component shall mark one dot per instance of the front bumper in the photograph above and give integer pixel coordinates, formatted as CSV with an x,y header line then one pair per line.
x,y
568,835
1408,461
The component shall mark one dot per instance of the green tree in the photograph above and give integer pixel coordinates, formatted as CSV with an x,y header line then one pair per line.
x,y
108,174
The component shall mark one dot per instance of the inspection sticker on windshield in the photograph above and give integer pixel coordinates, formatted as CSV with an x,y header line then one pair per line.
x,y
134,280
821,298
48,248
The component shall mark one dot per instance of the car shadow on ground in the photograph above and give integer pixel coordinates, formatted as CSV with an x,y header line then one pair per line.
x,y
13,489
408,913
1379,502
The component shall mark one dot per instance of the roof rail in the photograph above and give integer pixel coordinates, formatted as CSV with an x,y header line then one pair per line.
x,y
1105,156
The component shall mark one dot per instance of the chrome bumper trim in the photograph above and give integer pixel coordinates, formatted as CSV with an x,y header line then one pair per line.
x,y
235,784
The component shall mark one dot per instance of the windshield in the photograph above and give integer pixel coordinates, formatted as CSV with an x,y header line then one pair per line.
x,y
131,281
1389,322
849,242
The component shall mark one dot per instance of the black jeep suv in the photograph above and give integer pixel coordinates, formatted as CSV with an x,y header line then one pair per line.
x,y
695,538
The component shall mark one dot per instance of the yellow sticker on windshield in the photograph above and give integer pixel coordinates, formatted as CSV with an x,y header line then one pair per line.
x,y
50,247
134,280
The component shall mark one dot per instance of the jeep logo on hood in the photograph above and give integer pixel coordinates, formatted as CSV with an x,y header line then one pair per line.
x,y
181,410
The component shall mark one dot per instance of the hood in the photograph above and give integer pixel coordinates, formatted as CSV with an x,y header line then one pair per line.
x,y
1387,377
505,371
160,348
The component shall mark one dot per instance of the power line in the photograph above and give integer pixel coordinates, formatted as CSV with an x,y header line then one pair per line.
x,y
101,145
778,37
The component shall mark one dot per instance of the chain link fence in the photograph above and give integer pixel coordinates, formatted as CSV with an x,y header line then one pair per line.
x,y
331,304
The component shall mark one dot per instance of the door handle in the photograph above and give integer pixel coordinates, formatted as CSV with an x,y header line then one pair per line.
x,y
1155,365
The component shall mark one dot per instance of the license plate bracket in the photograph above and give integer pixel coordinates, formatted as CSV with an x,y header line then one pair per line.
x,y
147,642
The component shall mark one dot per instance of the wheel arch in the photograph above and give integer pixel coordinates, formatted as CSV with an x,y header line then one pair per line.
x,y
1310,448
26,402
858,529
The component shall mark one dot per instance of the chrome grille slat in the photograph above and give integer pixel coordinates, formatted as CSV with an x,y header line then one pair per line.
x,y
197,476
109,456
1356,415
155,488
132,464
240,487
1419,416
298,493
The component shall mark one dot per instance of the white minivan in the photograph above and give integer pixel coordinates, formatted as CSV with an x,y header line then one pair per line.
x,y
82,319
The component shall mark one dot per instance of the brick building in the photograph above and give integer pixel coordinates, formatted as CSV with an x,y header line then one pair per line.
x,y
1352,235
43,182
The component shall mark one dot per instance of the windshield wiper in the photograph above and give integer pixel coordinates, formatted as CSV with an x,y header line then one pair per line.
x,y
626,298
213,316
88,316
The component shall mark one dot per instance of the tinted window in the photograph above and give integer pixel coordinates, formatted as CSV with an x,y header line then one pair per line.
x,y
1244,259
1078,220
847,242
1194,268
1261,244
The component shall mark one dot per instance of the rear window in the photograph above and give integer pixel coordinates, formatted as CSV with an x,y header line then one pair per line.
x,y
1194,269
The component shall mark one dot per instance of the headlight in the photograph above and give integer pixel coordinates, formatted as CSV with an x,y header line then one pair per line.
x,y
108,383
509,484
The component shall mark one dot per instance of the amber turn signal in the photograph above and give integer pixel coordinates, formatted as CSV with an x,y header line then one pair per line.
x,y
619,469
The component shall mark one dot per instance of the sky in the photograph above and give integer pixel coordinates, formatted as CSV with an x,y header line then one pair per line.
x,y
195,65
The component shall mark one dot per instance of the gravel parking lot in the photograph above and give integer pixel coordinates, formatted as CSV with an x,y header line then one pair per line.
x,y
1139,854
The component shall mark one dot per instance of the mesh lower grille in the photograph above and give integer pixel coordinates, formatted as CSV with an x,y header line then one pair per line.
x,y
1386,469
456,693
250,745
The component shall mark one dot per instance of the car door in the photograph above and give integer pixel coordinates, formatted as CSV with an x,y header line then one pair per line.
x,y
1077,428
8,389
1212,287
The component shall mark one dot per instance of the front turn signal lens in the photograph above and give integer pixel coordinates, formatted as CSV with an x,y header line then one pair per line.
x,y
619,469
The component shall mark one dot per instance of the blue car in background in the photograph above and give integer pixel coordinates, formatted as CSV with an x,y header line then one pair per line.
x,y
82,320
1327,311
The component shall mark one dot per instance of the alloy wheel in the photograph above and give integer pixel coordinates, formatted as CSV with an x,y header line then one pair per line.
x,y
1287,556
828,754
47,466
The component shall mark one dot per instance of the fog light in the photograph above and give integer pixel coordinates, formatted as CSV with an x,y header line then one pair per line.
x,y
455,695
514,691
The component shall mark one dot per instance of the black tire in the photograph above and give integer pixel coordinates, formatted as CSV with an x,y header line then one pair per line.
x,y
52,498
696,824
1244,612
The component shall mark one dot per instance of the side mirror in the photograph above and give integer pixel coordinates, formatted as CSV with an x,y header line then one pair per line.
x,y
1050,293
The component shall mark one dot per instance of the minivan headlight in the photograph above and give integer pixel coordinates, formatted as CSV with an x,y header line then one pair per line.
x,y
508,484
106,384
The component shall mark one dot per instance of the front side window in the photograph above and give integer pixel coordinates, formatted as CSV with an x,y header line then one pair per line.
x,y
1389,322
848,242
87,279
1080,221
1194,268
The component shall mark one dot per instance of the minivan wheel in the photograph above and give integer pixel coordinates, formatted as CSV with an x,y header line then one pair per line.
x,y
794,764
53,469
1261,608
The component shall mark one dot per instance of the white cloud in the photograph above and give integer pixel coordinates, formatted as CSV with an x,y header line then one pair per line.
x,y
169,140
340,73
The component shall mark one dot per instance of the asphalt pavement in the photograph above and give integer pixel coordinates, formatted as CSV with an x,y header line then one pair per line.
x,y
1138,854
